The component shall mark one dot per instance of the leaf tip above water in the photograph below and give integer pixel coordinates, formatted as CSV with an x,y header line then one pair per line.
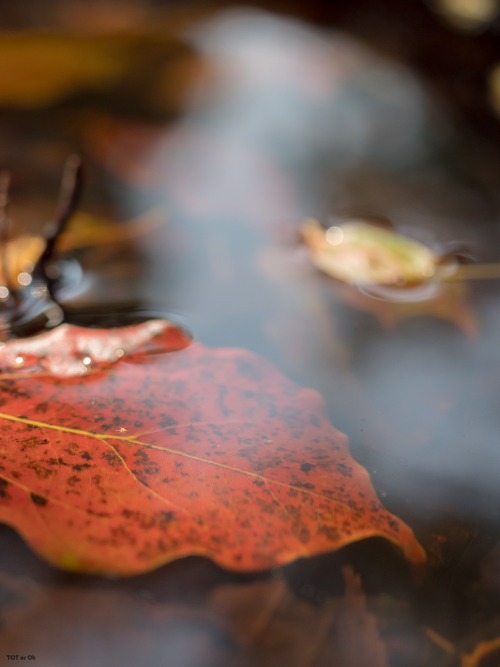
x,y
68,351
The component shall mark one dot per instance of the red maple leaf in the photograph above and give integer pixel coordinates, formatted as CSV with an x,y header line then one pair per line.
x,y
154,454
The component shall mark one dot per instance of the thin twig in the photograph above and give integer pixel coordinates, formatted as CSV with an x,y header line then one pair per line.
x,y
4,226
71,189
440,641
481,651
474,272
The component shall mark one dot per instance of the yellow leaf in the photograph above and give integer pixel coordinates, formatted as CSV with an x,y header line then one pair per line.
x,y
38,69
88,230
363,254
22,254
84,230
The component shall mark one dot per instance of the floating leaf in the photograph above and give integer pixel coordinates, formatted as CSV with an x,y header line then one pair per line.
x,y
360,253
208,452
396,277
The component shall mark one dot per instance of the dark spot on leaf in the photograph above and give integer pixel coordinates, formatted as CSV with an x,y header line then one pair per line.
x,y
165,519
3,488
344,469
112,459
304,485
57,462
40,471
38,500
394,525
249,370
330,532
221,401
78,467
315,420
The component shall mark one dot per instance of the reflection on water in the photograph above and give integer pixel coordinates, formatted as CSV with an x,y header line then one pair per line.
x,y
293,121
287,117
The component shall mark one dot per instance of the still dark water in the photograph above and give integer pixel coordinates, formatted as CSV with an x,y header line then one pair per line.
x,y
235,127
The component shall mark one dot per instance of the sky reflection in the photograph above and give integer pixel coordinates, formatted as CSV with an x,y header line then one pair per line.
x,y
293,122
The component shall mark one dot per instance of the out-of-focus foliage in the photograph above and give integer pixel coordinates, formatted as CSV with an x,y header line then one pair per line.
x,y
38,69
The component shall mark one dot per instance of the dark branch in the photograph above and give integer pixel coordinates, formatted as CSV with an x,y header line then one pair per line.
x,y
4,224
12,297
71,189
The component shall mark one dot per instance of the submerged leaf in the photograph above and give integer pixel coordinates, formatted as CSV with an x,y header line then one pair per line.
x,y
208,452
447,301
358,638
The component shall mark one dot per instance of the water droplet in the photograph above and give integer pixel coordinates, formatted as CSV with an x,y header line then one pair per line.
x,y
19,361
24,278
86,361
334,235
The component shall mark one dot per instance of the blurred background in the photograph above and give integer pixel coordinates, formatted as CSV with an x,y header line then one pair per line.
x,y
209,131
